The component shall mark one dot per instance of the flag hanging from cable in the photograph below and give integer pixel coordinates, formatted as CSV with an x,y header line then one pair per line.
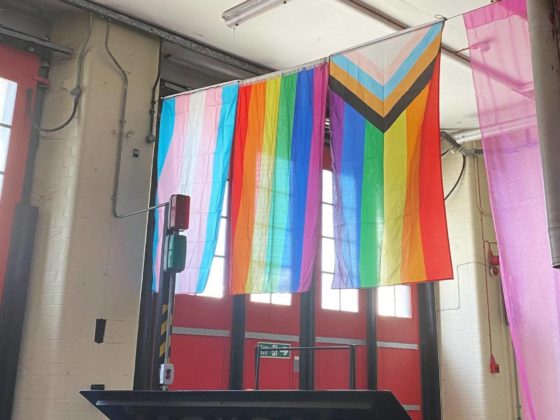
x,y
277,163
389,213
194,150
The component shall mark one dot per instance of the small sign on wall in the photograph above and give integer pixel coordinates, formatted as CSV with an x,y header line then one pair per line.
x,y
274,350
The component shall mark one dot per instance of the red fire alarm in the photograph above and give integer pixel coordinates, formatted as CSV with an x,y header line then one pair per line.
x,y
179,206
494,263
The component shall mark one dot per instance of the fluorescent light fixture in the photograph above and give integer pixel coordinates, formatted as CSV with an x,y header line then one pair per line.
x,y
247,10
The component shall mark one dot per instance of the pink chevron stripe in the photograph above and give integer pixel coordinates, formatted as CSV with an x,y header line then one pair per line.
x,y
367,65
404,52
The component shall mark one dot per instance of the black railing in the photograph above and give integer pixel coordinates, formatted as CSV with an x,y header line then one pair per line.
x,y
352,359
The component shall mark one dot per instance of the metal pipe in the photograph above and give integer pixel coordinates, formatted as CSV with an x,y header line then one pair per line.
x,y
151,138
122,123
543,31
351,348
168,36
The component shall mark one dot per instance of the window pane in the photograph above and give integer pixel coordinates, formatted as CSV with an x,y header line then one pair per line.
x,y
327,187
260,297
328,224
221,245
403,307
386,301
330,298
8,91
349,300
282,299
4,144
215,286
225,205
327,255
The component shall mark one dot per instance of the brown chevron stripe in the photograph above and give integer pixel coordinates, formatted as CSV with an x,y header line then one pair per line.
x,y
383,124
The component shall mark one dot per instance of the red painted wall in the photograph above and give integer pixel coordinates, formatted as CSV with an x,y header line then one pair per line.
x,y
21,67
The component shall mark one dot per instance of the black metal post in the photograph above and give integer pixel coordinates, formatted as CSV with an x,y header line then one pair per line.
x,y
352,351
237,343
429,364
371,350
307,339
14,299
257,365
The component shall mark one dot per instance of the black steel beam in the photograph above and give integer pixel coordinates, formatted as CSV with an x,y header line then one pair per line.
x,y
307,339
14,299
169,36
429,363
20,36
371,347
237,343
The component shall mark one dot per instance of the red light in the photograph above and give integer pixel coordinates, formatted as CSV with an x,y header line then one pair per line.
x,y
179,212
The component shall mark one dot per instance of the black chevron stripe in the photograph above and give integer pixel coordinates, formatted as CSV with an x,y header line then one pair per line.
x,y
383,124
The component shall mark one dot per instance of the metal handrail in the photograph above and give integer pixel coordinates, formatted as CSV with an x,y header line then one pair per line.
x,y
351,349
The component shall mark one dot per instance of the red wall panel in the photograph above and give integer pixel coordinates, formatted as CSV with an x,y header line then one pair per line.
x,y
200,362
21,67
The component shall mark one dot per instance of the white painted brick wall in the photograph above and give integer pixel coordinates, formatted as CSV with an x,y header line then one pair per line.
x,y
86,264
468,389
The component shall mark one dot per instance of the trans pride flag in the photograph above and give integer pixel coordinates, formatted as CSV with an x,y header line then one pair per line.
x,y
195,139
277,162
389,212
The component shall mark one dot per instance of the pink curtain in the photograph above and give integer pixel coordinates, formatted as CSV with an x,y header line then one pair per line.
x,y
501,63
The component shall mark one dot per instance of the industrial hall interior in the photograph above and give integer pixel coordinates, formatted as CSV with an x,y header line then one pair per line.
x,y
279,209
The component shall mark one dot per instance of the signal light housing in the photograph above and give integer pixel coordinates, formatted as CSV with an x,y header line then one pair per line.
x,y
176,253
179,207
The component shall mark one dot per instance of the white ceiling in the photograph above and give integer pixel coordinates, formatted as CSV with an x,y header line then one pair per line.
x,y
304,30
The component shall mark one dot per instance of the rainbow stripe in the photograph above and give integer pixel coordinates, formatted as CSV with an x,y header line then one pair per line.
x,y
277,162
390,225
194,150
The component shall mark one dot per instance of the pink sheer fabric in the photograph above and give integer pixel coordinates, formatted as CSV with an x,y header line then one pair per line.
x,y
501,63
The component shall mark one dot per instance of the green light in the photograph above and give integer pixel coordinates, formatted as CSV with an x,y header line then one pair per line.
x,y
176,253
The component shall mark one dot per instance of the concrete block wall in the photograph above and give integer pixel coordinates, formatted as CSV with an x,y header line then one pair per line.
x,y
466,307
87,264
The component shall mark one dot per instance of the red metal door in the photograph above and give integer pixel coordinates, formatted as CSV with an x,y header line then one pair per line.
x,y
398,355
272,320
201,340
340,314
18,72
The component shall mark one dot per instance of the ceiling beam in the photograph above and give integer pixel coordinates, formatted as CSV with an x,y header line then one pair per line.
x,y
172,37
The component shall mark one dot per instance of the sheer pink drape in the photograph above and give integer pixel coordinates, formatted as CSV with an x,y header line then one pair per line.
x,y
501,63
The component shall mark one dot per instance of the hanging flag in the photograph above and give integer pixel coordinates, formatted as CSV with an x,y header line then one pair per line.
x,y
194,150
389,212
277,163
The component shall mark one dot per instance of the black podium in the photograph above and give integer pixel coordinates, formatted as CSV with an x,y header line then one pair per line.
x,y
247,405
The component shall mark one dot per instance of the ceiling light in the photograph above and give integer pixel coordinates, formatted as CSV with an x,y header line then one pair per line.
x,y
247,10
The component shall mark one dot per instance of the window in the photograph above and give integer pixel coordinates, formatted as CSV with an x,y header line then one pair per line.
x,y
215,286
345,300
394,301
284,299
8,90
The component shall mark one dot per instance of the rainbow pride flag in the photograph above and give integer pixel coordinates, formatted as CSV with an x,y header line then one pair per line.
x,y
277,163
389,212
194,150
